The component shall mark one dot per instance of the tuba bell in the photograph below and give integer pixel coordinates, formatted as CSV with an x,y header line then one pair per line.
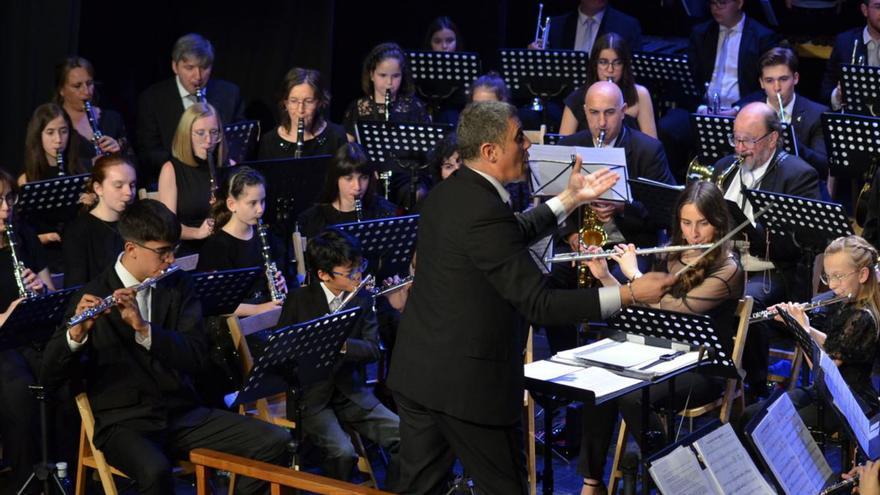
x,y
697,171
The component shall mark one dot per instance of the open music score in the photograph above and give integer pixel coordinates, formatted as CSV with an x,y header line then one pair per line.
x,y
550,167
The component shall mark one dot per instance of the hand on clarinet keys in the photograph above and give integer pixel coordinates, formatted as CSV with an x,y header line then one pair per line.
x,y
650,287
32,281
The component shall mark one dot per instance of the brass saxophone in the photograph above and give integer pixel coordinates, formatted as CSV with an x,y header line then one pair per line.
x,y
96,129
270,267
591,232
300,138
387,105
17,265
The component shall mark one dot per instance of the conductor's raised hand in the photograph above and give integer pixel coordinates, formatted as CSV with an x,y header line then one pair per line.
x,y
649,288
583,188
78,332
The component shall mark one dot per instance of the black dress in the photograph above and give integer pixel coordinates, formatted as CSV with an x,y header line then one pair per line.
x,y
223,251
403,109
575,103
111,124
320,215
193,198
273,146
90,245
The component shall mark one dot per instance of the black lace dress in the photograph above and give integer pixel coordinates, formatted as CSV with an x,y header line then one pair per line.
x,y
403,109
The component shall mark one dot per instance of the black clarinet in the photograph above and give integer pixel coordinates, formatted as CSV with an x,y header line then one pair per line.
x,y
96,129
387,105
200,95
300,138
59,160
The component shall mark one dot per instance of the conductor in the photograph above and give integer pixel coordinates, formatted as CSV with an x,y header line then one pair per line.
x,y
457,369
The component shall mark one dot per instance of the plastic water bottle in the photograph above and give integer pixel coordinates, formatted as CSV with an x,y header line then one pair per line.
x,y
66,483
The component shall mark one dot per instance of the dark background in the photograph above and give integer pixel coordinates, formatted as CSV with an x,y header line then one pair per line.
x,y
255,44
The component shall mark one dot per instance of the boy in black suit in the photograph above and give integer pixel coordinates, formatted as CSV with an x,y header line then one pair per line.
x,y
137,359
864,41
336,266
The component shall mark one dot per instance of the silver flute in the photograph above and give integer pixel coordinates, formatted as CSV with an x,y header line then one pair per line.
x,y
358,209
567,257
300,138
769,314
18,267
271,268
781,108
367,283
393,287
96,129
387,105
110,301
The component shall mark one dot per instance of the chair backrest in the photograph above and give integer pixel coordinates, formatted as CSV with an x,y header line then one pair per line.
x,y
87,445
743,312
239,328
188,263
144,194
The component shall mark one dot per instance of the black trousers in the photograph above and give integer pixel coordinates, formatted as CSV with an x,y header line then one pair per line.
x,y
492,456
147,456
756,353
19,414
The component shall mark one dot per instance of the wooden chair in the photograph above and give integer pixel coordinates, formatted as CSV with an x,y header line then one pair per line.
x,y
299,250
537,137
529,410
144,194
733,392
188,263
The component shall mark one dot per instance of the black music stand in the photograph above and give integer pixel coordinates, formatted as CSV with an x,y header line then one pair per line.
x,y
658,198
669,75
853,143
801,338
241,139
552,139
861,85
34,321
222,291
401,147
442,76
296,357
389,241
713,131
543,75
51,194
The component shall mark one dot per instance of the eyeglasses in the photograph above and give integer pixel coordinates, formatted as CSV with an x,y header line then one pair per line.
x,y
354,272
10,199
201,133
827,279
748,143
162,252
604,62
308,102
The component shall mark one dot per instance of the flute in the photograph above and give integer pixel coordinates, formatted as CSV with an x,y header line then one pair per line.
x,y
393,287
565,257
109,301
768,314
781,108
368,282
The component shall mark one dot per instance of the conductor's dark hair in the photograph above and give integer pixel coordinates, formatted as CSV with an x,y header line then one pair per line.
x,y
480,123
349,158
378,54
494,83
443,22
332,248
149,220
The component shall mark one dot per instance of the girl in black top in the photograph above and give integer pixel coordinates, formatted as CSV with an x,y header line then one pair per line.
x,y
185,184
92,241
443,36
611,59
303,96
75,85
350,177
236,244
385,68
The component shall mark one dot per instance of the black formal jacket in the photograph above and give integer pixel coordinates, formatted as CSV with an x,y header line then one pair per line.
x,y
791,176
159,111
871,231
362,347
807,120
458,349
644,158
127,384
842,54
756,39
563,29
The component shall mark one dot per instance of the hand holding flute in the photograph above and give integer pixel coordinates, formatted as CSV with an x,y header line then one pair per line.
x,y
645,289
125,300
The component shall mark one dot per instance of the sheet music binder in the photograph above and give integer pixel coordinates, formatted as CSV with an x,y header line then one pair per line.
x,y
861,85
747,475
221,292
543,73
390,240
853,141
787,449
713,131
241,139
51,194
310,348
35,319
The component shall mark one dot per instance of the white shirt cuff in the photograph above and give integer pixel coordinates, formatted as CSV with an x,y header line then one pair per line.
x,y
609,301
556,207
73,345
145,340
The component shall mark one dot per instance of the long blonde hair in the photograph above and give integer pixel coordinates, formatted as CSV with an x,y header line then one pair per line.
x,y
863,255
181,145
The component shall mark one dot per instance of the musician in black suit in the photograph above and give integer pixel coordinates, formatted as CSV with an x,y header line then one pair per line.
x,y
335,264
859,45
137,357
161,105
579,30
457,370
773,278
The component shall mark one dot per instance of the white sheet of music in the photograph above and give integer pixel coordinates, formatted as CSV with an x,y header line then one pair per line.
x,y
729,465
600,381
788,448
548,370
549,174
625,354
846,402
679,473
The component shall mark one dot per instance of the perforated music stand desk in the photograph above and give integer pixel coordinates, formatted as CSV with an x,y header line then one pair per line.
x,y
440,75
241,139
853,142
386,142
814,223
221,292
861,85
35,319
548,74
801,338
51,194
390,241
670,74
552,139
713,130
659,199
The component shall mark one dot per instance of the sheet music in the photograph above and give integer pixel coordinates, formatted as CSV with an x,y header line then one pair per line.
x,y
569,354
679,473
625,354
550,178
548,370
729,465
597,380
846,402
789,449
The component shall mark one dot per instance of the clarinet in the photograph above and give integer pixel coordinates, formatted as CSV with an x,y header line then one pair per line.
x,y
300,138
212,175
200,95
271,268
358,209
59,160
387,105
109,301
17,265
96,129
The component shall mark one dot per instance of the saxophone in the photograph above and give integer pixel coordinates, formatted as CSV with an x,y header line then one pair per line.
x,y
17,265
591,232
271,267
300,138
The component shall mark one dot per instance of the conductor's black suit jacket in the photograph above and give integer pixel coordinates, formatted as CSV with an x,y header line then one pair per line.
x,y
127,384
458,349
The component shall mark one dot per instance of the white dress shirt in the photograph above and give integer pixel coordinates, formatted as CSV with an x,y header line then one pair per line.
x,y
873,59
788,108
725,78
585,37
186,97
